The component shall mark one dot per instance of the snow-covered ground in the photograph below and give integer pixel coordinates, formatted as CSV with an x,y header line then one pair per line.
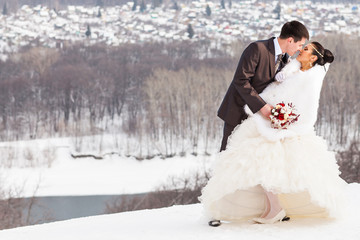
x,y
187,222
68,176
111,176
117,174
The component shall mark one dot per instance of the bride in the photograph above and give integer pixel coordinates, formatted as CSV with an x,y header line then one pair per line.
x,y
266,174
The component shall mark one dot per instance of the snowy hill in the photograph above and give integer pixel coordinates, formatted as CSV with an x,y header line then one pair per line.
x,y
119,24
186,222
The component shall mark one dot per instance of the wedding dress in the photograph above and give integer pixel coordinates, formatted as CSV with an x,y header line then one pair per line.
x,y
293,163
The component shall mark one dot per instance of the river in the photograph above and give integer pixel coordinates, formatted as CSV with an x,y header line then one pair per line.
x,y
58,208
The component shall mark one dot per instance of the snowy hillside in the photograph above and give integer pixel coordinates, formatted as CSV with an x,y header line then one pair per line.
x,y
120,24
186,222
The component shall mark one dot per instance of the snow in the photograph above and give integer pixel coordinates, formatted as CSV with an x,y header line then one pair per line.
x,y
114,175
65,176
117,174
187,222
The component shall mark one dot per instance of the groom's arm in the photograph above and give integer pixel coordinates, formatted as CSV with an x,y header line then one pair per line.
x,y
245,71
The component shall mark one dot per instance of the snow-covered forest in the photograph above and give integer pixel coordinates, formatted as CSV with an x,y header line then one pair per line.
x,y
164,96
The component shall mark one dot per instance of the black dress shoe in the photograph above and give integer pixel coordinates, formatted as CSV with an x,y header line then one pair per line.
x,y
214,223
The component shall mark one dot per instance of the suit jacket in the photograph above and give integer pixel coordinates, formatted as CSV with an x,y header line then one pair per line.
x,y
256,70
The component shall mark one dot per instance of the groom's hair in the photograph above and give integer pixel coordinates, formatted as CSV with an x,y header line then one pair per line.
x,y
294,29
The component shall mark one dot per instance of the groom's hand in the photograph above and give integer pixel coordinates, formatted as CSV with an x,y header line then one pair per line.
x,y
266,111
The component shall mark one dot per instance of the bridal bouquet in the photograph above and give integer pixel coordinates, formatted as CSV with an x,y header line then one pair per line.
x,y
282,116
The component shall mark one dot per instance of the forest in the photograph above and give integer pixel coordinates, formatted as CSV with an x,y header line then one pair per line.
x,y
167,93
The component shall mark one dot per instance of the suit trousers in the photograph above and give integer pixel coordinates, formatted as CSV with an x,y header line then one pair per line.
x,y
227,132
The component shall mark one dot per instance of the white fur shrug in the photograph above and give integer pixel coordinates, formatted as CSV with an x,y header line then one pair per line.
x,y
300,88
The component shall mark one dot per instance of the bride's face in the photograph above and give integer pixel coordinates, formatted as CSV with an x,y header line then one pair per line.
x,y
306,55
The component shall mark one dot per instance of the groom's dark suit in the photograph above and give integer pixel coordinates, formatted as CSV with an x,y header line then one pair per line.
x,y
256,70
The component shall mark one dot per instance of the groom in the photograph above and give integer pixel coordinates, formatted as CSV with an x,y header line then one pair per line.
x,y
257,67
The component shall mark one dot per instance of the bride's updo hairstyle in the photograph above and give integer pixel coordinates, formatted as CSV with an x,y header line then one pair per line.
x,y
324,55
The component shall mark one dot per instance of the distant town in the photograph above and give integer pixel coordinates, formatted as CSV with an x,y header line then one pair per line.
x,y
136,22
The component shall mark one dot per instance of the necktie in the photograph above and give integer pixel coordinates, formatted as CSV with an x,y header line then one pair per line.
x,y
278,61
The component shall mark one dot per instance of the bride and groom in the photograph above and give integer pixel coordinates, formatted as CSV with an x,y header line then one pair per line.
x,y
267,174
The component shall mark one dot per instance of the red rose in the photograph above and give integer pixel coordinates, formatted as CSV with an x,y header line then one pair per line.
x,y
281,116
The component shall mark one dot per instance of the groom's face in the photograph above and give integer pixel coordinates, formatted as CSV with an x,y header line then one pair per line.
x,y
293,47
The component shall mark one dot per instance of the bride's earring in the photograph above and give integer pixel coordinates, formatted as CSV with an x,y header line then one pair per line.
x,y
310,64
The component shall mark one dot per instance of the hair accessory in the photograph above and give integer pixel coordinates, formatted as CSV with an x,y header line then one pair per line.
x,y
316,50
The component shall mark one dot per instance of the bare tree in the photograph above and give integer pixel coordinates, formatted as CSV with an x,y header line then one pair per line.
x,y
178,191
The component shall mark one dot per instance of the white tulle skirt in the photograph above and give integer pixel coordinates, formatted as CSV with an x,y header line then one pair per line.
x,y
300,169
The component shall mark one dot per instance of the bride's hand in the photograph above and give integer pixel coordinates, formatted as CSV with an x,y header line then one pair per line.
x,y
266,111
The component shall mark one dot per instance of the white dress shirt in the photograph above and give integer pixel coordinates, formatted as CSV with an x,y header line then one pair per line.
x,y
277,48
279,76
